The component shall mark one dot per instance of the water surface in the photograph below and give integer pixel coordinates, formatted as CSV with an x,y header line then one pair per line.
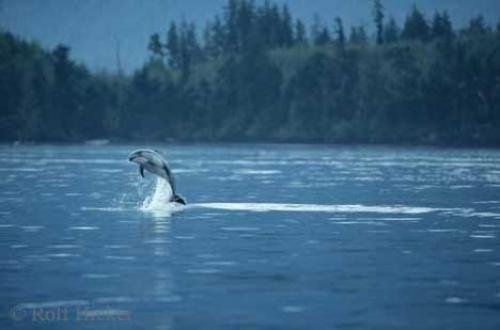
x,y
274,236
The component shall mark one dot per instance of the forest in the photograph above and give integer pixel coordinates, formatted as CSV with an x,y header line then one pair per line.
x,y
256,73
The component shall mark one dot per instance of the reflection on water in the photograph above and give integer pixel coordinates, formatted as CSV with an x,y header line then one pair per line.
x,y
273,237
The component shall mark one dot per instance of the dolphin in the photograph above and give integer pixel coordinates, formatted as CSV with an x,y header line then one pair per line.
x,y
153,162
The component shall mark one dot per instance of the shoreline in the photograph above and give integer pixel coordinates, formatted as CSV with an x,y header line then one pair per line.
x,y
90,143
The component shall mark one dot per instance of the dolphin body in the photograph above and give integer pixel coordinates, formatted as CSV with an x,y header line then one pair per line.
x,y
153,162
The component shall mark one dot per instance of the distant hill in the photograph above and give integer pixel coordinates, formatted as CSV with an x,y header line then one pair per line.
x,y
95,29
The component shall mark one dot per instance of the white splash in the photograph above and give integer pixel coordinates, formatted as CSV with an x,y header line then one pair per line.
x,y
159,203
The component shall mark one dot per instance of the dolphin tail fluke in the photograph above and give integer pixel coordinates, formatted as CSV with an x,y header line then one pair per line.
x,y
178,199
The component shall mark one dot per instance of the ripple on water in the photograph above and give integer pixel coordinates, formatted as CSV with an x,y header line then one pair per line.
x,y
441,230
488,226
63,255
184,237
116,246
12,199
99,276
487,202
125,258
187,170
96,195
80,161
60,185
161,241
257,172
168,299
292,309
109,300
64,246
32,229
371,223
455,300
483,250
18,246
102,209
203,271
482,236
398,219
53,304
246,235
108,170
36,258
84,228
379,231
207,256
240,228
9,262
21,169
455,187
220,263
72,194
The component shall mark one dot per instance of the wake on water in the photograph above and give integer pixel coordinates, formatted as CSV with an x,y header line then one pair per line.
x,y
157,202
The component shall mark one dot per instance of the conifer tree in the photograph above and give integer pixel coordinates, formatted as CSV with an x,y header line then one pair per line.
x,y
378,16
173,46
416,26
155,46
339,32
300,33
391,31
441,26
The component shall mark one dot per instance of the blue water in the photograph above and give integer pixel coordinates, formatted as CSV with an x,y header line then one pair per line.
x,y
274,237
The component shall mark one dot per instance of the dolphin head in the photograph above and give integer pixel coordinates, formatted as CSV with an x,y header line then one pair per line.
x,y
139,156
132,157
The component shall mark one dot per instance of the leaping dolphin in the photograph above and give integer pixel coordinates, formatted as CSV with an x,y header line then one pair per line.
x,y
153,162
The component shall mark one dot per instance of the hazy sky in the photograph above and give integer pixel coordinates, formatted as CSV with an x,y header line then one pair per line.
x,y
93,28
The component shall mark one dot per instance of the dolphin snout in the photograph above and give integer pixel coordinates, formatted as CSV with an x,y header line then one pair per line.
x,y
133,156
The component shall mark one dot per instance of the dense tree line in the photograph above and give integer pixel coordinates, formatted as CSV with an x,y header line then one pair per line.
x,y
256,73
